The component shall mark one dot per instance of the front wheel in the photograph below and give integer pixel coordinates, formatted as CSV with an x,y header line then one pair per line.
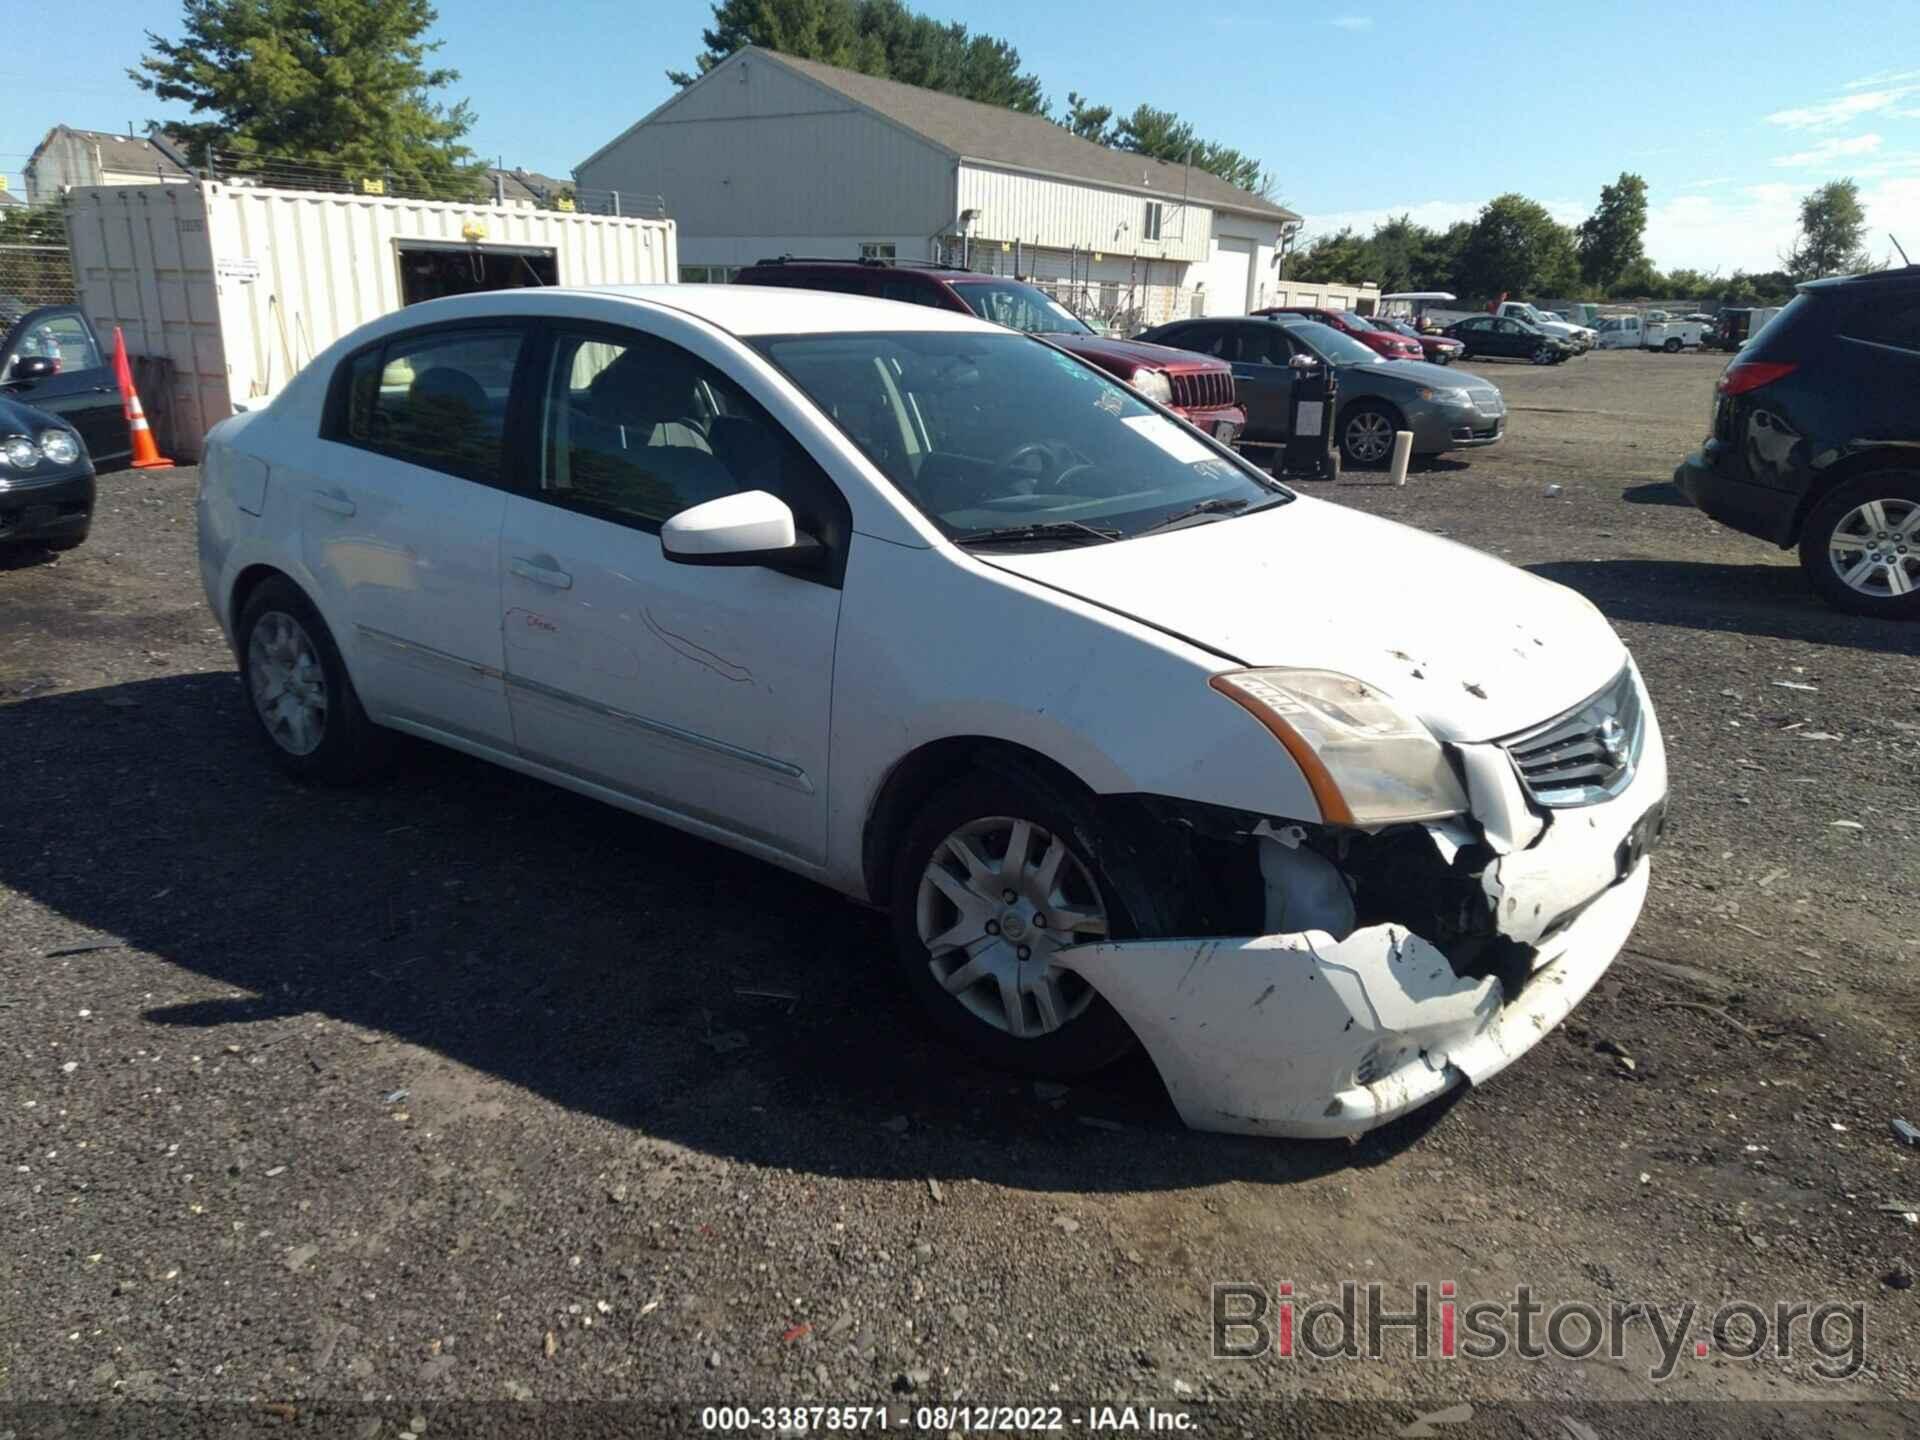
x,y
301,695
1542,355
1860,547
1366,435
996,876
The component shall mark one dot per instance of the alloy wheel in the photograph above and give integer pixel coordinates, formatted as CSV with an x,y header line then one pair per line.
x,y
999,897
288,684
1369,437
1875,549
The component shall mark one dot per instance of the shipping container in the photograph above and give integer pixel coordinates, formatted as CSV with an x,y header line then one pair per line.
x,y
238,287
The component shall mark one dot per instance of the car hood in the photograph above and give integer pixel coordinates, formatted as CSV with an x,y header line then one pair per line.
x,y
1477,648
19,418
1408,372
1103,351
1445,342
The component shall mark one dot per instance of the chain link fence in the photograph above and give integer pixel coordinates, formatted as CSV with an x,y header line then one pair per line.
x,y
34,275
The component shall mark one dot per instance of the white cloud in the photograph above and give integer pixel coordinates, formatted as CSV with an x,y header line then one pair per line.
x,y
1749,228
1827,151
1352,22
1843,111
1885,77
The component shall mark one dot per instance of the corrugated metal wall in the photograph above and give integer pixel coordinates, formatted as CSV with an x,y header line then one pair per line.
x,y
239,287
762,151
1061,213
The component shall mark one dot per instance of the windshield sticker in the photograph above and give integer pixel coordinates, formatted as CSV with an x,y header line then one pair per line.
x,y
1110,401
1169,437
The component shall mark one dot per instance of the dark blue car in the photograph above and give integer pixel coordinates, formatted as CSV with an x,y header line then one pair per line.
x,y
1815,440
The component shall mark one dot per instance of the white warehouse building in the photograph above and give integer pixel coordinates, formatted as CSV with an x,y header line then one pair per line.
x,y
771,155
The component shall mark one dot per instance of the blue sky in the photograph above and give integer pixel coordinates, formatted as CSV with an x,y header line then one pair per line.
x,y
1360,108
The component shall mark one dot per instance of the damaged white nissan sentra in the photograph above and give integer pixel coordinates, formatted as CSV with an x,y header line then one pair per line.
x,y
1132,742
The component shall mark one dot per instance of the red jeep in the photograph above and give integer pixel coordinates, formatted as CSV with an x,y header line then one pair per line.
x,y
1374,337
1198,387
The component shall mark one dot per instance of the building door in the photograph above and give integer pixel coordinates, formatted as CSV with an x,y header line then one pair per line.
x,y
1227,288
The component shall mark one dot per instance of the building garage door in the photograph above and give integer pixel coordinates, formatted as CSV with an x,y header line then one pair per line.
x,y
1227,285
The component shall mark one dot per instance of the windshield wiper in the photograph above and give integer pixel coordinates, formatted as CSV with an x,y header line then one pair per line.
x,y
1044,530
1220,505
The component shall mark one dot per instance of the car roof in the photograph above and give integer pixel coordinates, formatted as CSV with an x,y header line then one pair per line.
x,y
1896,275
737,309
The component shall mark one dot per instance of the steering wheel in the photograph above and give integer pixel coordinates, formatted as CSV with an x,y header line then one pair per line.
x,y
1010,464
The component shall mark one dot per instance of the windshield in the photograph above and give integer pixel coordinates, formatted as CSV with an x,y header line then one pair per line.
x,y
1397,327
1019,306
1360,322
987,432
1330,345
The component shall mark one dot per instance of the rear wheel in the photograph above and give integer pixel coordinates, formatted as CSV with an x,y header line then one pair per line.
x,y
301,695
997,874
1860,547
1672,347
1366,434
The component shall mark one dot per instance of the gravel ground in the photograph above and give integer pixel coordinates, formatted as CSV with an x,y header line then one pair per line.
x,y
460,1088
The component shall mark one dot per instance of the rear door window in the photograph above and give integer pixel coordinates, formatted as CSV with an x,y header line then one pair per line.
x,y
437,399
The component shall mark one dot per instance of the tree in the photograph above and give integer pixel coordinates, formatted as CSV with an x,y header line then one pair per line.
x,y
1089,121
1611,238
1832,222
341,84
875,37
1516,246
1339,258
1165,136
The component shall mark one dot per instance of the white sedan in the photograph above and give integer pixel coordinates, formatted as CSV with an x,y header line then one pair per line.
x,y
1133,743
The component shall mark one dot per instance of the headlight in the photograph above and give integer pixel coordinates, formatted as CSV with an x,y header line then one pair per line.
x,y
1368,761
1155,385
19,452
1446,397
59,447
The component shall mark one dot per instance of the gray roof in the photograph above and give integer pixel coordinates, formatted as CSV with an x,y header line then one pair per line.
x,y
526,187
126,154
999,136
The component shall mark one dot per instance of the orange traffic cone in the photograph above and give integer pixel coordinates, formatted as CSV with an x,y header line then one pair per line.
x,y
146,454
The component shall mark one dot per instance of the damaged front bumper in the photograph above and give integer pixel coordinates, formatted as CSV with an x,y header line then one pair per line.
x,y
1300,1033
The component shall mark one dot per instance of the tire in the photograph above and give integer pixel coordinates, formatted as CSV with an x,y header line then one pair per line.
x,y
68,542
1843,513
978,809
1361,431
328,739
1542,355
1672,346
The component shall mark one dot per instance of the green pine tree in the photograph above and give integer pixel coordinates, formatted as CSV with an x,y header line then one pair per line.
x,y
344,86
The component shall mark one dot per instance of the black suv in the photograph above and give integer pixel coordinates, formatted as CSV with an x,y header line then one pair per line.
x,y
1815,440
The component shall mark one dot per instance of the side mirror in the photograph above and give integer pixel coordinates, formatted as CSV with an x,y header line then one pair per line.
x,y
751,528
33,367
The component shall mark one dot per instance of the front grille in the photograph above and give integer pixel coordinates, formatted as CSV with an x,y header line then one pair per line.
x,y
1201,389
1586,755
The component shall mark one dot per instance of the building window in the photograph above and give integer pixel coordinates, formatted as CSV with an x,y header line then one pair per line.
x,y
708,274
1151,230
876,250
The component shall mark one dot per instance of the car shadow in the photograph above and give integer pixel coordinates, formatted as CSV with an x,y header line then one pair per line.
x,y
1747,599
609,964
1656,492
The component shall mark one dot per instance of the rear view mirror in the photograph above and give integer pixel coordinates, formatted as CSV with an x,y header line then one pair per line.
x,y
33,367
754,527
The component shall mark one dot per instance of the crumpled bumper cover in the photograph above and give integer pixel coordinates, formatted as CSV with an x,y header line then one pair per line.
x,y
1303,1035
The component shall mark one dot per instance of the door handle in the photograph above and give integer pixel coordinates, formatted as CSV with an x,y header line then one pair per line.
x,y
549,575
333,504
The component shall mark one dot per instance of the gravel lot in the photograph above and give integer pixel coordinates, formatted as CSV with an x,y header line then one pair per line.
x,y
462,1088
